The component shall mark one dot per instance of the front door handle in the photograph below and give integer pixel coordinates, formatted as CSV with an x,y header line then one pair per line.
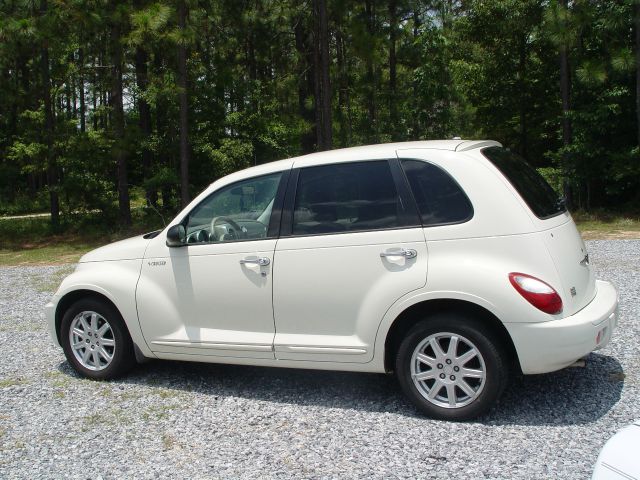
x,y
400,252
262,261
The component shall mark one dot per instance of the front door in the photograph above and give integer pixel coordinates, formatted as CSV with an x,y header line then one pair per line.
x,y
214,296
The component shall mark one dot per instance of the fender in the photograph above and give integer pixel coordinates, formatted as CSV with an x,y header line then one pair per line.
x,y
414,298
115,280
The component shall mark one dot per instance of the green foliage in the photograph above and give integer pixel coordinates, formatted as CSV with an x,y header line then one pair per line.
x,y
476,69
553,176
232,155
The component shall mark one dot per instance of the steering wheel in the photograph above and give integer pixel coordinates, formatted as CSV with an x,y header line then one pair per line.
x,y
237,229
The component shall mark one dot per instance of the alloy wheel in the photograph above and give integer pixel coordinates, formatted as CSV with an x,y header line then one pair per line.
x,y
92,340
448,370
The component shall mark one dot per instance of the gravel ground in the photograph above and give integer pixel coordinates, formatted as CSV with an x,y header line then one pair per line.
x,y
170,419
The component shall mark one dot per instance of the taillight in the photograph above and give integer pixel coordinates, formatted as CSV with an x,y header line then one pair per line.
x,y
538,293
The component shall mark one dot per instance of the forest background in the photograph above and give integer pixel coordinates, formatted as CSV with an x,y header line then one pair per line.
x,y
113,115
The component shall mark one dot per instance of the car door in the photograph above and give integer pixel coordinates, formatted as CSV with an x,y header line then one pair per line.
x,y
213,296
351,245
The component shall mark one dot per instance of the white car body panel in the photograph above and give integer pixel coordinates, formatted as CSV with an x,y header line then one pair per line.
x,y
330,291
200,300
329,301
618,459
115,280
128,249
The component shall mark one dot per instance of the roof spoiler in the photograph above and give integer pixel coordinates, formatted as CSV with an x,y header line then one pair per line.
x,y
473,144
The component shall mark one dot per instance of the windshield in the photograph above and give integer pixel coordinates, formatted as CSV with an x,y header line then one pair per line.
x,y
532,187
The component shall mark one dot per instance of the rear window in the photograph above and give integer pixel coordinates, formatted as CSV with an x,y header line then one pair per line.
x,y
532,187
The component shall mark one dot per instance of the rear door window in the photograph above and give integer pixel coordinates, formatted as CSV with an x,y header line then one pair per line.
x,y
346,197
543,201
440,199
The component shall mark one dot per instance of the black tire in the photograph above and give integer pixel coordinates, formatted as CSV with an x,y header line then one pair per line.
x,y
123,353
491,353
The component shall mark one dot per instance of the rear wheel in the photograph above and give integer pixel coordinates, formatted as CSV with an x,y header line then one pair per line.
x,y
95,340
451,367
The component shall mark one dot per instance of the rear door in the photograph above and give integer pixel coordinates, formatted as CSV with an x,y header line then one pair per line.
x,y
351,245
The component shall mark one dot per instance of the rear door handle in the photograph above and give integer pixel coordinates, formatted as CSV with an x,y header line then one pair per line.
x,y
400,252
262,261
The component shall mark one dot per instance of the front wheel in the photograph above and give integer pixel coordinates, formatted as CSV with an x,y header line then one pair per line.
x,y
451,367
95,340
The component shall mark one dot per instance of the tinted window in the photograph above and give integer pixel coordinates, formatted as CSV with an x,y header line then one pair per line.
x,y
532,187
346,197
440,199
240,211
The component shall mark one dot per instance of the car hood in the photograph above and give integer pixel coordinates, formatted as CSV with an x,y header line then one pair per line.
x,y
129,249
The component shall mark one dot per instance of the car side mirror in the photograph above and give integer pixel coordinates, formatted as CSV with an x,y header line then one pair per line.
x,y
176,236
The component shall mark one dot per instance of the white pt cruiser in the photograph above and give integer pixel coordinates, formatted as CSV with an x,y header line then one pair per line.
x,y
451,263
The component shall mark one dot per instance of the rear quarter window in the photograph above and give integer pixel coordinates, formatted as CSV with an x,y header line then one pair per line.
x,y
532,187
439,198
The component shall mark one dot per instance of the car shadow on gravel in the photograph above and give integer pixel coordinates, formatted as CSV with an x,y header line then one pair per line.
x,y
568,397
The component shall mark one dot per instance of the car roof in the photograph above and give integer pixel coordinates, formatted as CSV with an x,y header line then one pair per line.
x,y
384,150
372,152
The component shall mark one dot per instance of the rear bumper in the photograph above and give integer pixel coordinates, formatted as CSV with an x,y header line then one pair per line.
x,y
548,346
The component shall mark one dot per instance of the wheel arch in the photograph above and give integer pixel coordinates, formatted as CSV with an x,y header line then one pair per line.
x,y
422,310
73,296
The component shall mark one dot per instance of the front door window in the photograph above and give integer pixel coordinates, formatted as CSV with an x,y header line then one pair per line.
x,y
240,211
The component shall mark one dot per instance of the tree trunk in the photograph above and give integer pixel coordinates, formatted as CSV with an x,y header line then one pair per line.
x,y
637,26
565,91
342,89
67,91
317,91
162,133
416,126
142,80
119,151
94,94
323,86
305,83
83,108
52,169
370,76
182,85
393,110
522,73
104,115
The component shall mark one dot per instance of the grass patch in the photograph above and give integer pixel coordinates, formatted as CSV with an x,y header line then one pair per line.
x,y
58,379
31,241
11,382
168,441
166,393
52,282
158,412
607,225
94,420
55,254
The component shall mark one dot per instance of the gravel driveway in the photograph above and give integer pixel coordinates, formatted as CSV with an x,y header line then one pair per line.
x,y
170,419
